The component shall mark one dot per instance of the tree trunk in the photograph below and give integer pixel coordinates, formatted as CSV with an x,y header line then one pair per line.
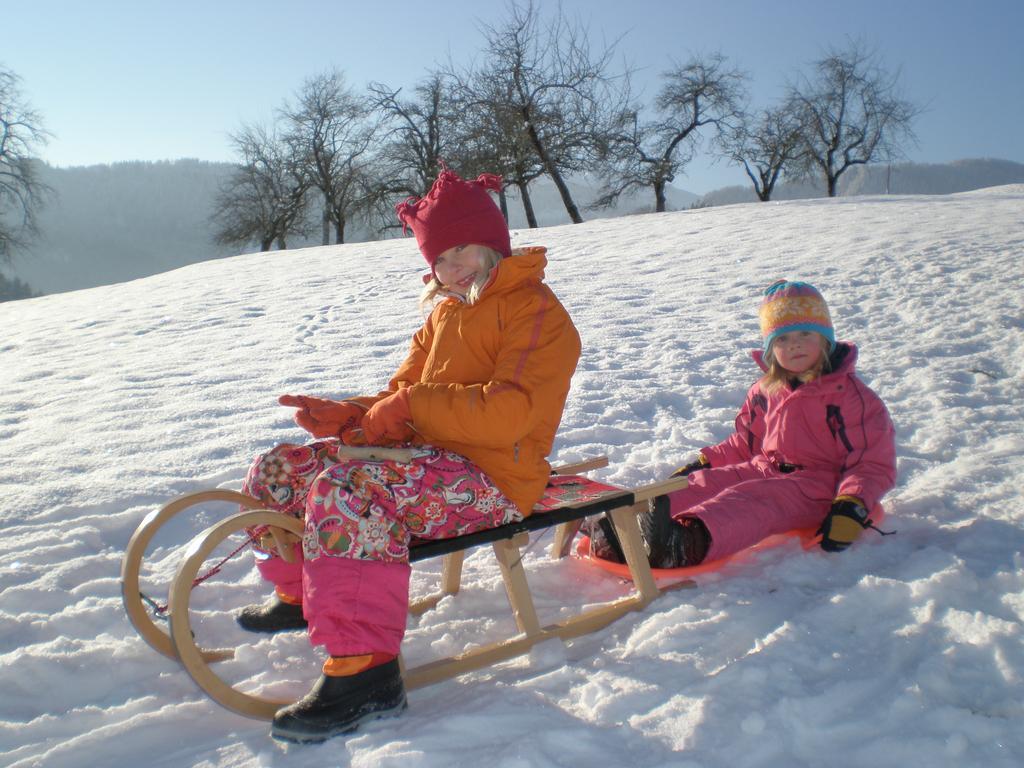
x,y
266,243
524,195
563,190
326,229
553,172
281,244
760,187
503,203
833,181
339,230
659,196
769,179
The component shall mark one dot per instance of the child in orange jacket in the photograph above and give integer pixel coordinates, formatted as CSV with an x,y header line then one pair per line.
x,y
479,398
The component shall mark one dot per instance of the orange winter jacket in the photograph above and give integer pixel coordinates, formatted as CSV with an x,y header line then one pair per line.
x,y
489,380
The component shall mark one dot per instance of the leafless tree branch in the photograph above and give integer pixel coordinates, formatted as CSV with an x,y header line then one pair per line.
x,y
22,193
851,113
330,133
265,200
704,94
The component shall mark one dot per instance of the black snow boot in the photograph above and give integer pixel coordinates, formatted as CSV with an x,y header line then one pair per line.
x,y
670,543
275,615
604,542
337,705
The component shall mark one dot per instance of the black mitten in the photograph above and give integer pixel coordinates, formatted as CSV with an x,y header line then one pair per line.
x,y
693,466
843,524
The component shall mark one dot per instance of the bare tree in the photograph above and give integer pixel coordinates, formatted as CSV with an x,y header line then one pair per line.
x,y
471,131
417,134
767,146
266,198
22,192
330,133
556,87
493,138
700,94
851,113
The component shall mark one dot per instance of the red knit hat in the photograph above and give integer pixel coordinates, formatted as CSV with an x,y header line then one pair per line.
x,y
456,212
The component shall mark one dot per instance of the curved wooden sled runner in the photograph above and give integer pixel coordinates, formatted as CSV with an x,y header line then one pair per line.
x,y
131,567
570,499
196,661
131,563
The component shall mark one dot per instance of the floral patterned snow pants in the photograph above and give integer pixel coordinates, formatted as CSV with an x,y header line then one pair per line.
x,y
360,516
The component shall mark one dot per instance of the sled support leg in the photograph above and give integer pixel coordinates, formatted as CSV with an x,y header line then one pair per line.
x,y
628,529
284,544
564,534
451,582
519,597
451,572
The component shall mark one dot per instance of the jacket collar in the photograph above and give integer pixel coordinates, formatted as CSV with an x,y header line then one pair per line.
x,y
524,265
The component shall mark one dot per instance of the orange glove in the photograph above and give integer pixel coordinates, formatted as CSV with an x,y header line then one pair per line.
x,y
323,418
388,420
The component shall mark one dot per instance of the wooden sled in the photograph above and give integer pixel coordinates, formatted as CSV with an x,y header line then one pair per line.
x,y
570,499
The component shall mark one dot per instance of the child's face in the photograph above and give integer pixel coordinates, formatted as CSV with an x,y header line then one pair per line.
x,y
459,267
798,351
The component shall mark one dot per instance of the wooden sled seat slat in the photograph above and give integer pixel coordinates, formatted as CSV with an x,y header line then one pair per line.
x,y
424,549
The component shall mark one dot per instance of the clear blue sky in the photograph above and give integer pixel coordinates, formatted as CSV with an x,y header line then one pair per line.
x,y
151,80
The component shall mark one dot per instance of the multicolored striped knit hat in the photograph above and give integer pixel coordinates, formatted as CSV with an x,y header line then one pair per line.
x,y
794,306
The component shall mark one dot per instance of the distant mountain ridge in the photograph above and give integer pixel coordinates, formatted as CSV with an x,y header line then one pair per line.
x,y
897,179
112,223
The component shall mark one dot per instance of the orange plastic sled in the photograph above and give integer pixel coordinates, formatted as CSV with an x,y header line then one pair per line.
x,y
808,540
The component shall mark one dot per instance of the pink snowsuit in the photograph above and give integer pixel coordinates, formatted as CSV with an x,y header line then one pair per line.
x,y
352,569
793,452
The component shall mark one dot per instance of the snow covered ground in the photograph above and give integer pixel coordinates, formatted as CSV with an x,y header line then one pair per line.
x,y
905,651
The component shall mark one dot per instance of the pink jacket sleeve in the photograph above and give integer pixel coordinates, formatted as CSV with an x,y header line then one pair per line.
x,y
870,470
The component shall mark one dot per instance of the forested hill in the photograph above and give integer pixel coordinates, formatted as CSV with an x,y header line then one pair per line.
x,y
113,223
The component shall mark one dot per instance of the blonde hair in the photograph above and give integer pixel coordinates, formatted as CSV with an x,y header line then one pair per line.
x,y
776,376
435,289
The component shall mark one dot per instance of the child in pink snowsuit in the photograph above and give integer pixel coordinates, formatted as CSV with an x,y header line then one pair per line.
x,y
478,399
813,447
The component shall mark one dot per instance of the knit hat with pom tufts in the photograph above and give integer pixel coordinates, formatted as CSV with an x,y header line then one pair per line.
x,y
456,212
794,306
